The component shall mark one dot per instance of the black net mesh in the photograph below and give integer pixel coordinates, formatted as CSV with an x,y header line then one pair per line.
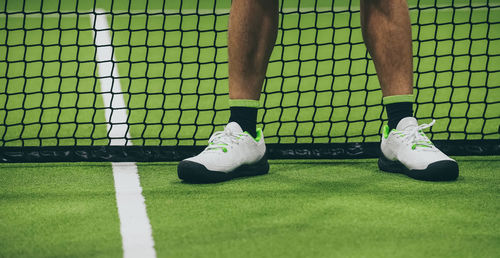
x,y
154,73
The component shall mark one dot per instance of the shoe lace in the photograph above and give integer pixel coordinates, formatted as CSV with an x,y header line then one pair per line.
x,y
416,136
222,139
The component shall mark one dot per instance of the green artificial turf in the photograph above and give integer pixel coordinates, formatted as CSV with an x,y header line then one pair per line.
x,y
342,208
322,208
58,210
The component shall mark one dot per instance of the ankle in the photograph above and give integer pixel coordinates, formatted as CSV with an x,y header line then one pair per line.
x,y
246,117
397,108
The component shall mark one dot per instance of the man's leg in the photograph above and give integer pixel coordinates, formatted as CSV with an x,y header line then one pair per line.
x,y
386,31
253,26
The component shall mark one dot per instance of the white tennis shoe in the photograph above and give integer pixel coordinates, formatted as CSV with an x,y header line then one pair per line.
x,y
407,150
230,153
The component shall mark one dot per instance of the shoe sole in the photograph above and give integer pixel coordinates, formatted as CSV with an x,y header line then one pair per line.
x,y
193,172
445,170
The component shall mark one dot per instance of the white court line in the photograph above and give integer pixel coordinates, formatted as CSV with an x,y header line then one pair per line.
x,y
115,112
137,237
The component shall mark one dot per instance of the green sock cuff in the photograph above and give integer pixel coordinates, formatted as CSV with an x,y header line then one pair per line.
x,y
398,99
244,103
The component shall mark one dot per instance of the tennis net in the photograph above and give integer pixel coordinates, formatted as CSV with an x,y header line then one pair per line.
x,y
147,80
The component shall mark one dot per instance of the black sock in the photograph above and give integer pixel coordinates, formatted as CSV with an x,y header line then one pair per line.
x,y
398,111
246,117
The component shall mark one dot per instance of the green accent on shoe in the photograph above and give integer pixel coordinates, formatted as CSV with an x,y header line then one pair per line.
x,y
258,134
414,146
398,99
244,103
218,144
386,131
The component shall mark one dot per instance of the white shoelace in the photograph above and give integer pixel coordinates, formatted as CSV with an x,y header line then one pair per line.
x,y
416,137
222,139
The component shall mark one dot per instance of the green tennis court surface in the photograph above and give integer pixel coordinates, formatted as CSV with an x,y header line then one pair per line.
x,y
341,208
